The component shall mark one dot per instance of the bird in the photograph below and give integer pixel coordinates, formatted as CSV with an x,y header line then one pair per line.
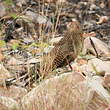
x,y
67,49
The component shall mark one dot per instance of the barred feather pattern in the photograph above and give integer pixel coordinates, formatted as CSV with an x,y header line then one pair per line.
x,y
67,48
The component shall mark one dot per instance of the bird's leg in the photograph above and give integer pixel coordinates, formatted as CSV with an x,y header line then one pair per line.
x,y
74,56
69,64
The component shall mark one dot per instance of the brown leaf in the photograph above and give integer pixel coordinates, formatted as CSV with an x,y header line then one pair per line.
x,y
103,19
91,34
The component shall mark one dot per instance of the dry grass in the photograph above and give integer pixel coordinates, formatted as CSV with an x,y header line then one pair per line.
x,y
47,61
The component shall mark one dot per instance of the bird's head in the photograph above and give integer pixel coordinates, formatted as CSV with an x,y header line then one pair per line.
x,y
74,26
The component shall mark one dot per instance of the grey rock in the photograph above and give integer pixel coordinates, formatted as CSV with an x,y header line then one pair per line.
x,y
98,66
2,10
9,103
68,91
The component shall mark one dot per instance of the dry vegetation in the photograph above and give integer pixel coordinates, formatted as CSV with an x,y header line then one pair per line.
x,y
30,61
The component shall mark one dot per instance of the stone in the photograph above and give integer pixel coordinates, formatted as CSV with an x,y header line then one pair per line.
x,y
20,2
107,80
2,10
98,66
8,103
101,47
4,74
69,91
13,92
55,40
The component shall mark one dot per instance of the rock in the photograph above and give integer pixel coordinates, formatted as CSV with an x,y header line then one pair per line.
x,y
28,41
107,80
75,66
13,61
20,2
31,16
95,83
98,66
48,49
14,65
2,10
55,40
4,74
36,18
55,1
101,47
86,69
103,19
69,91
8,103
1,56
33,61
46,94
94,7
61,1
3,107
13,92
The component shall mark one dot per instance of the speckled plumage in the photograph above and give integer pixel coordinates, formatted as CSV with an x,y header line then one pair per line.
x,y
70,45
68,48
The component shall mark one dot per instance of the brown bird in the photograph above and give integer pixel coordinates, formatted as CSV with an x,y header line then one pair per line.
x,y
67,49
